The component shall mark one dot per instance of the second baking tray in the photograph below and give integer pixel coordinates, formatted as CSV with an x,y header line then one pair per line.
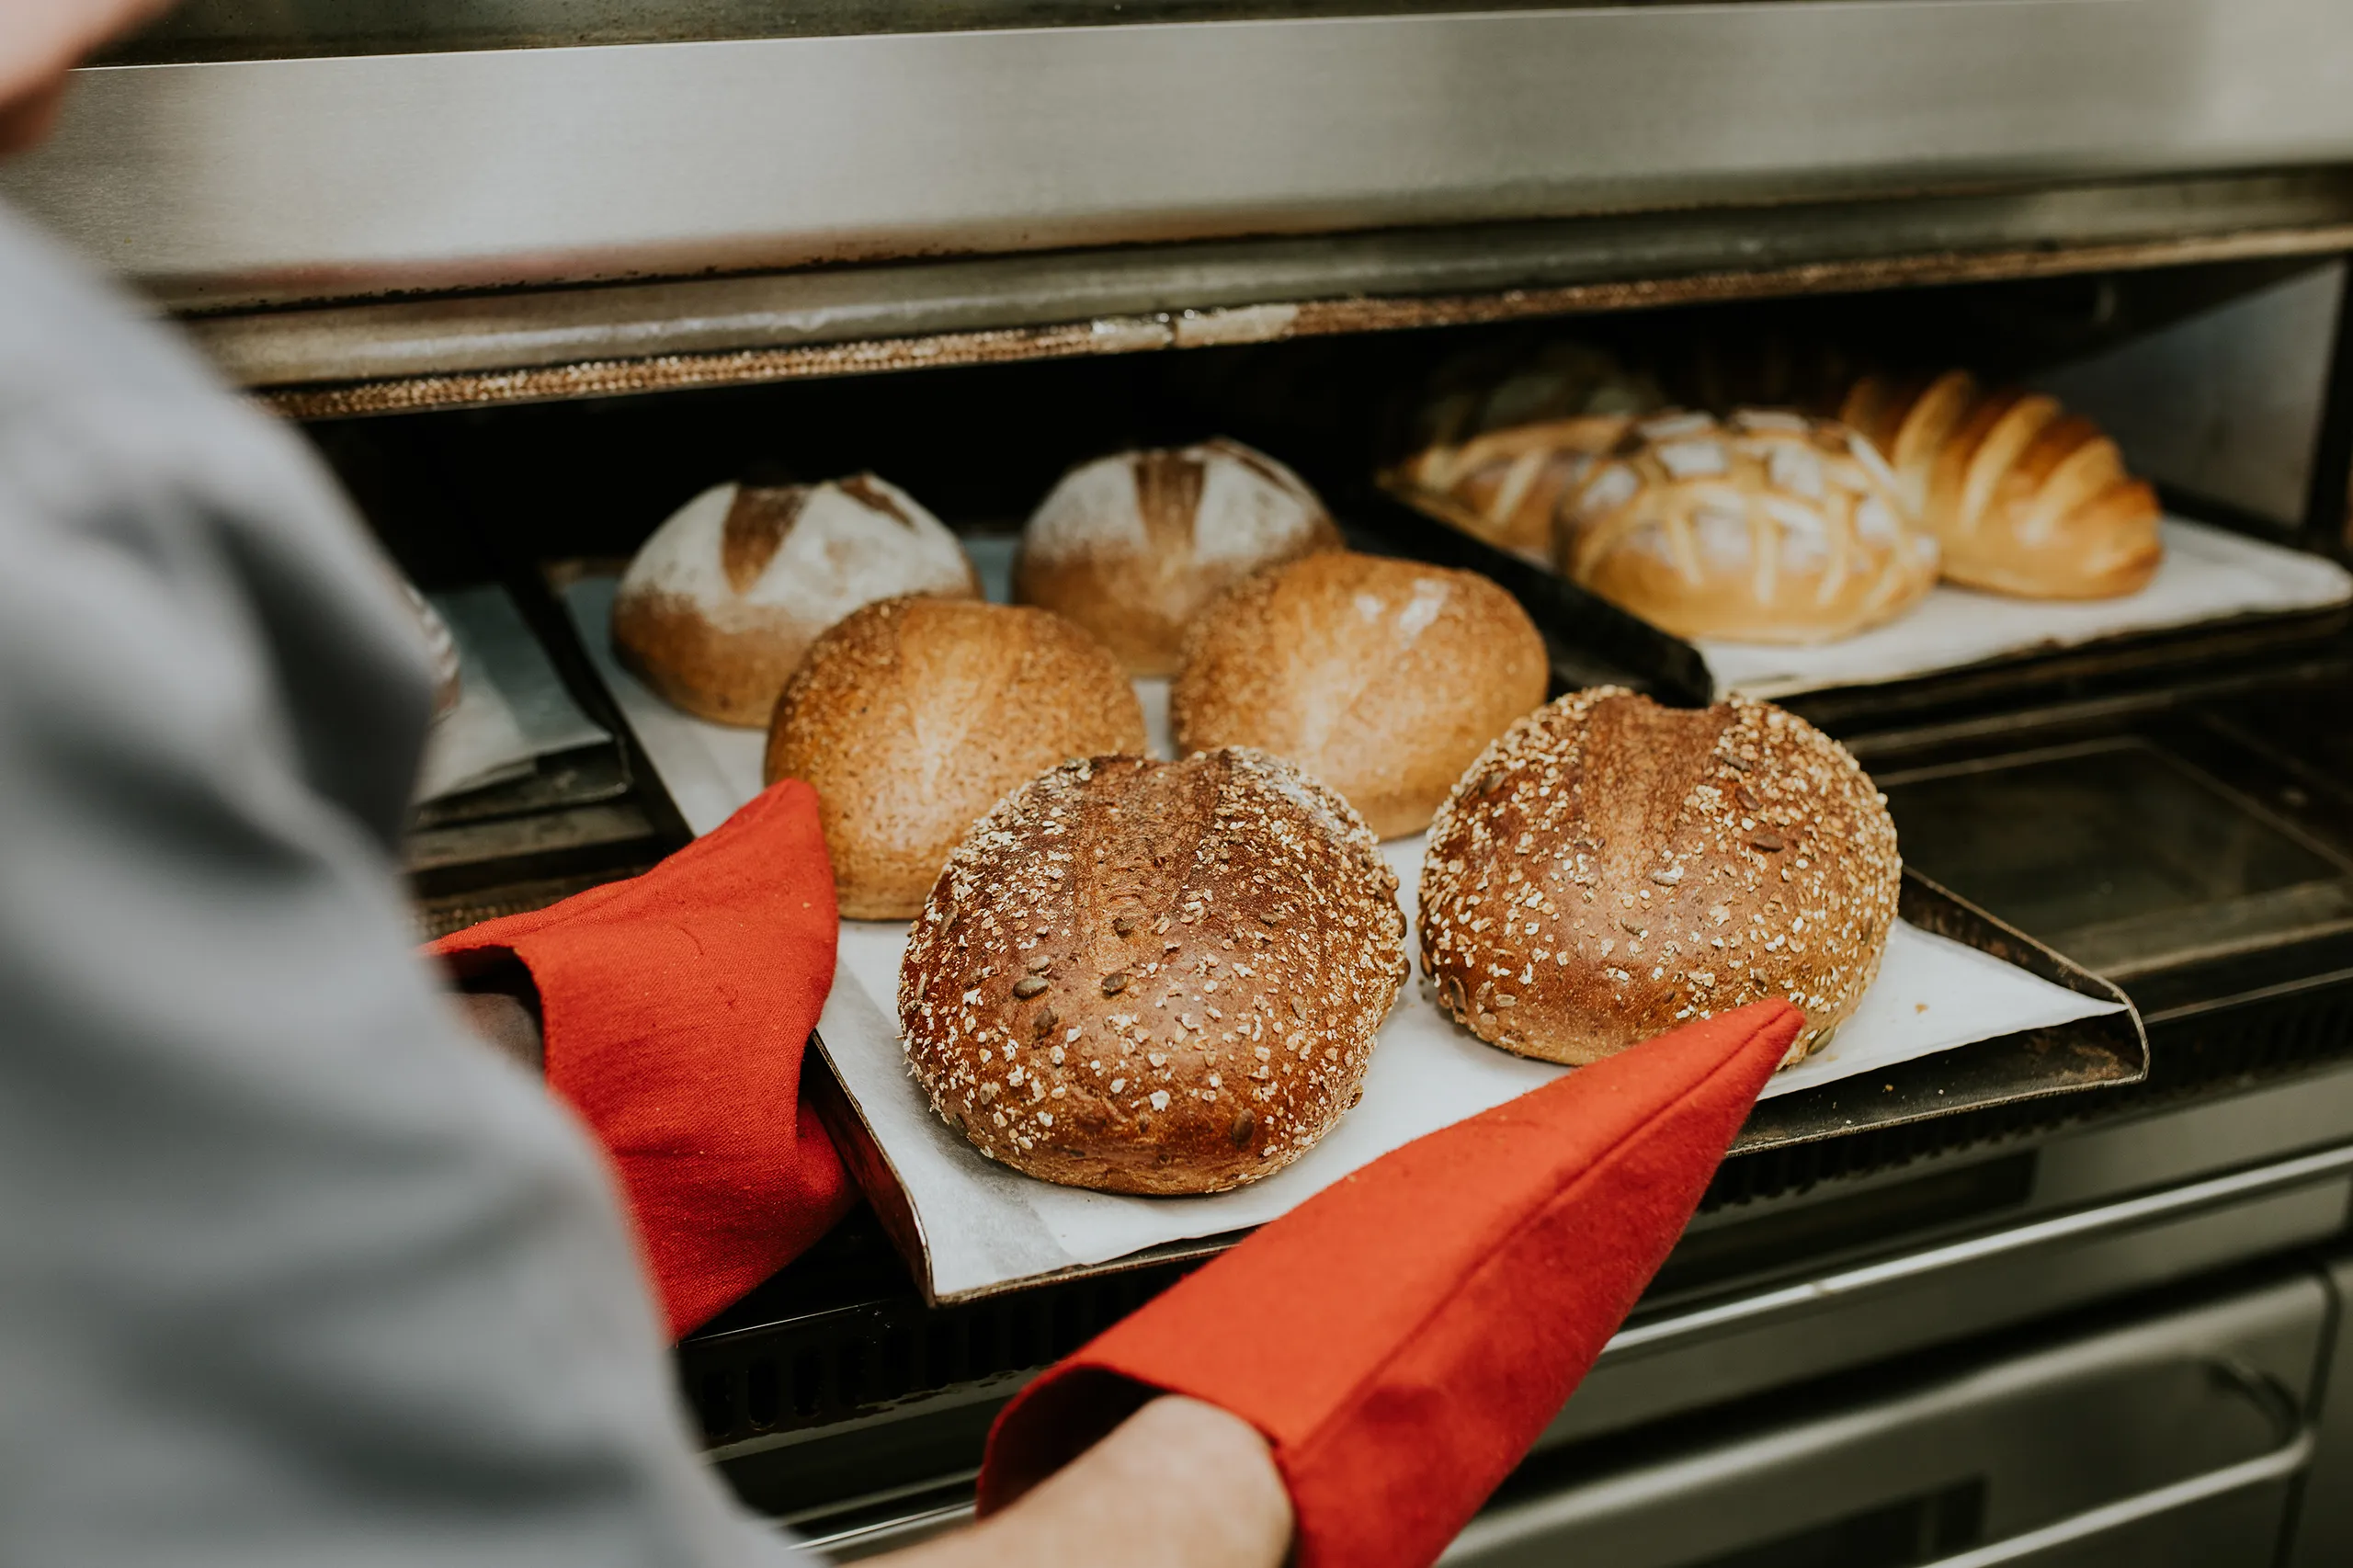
x,y
2253,604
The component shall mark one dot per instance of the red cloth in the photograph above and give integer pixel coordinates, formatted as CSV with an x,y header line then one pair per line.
x,y
1401,1338
676,1007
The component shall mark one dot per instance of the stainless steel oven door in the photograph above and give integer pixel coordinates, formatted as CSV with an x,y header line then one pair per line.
x,y
2174,1439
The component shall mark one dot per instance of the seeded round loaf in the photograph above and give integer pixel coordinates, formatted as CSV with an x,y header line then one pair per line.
x,y
1135,545
1611,869
1384,678
718,607
1153,977
912,717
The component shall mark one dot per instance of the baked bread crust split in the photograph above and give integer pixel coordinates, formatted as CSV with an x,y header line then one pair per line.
x,y
2024,498
912,717
1381,677
719,603
1611,869
1135,545
1153,977
1766,528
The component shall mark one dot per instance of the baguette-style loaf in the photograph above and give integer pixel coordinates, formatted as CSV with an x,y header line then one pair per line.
x,y
1769,528
2024,497
1381,677
1611,869
1153,977
912,717
1135,545
719,603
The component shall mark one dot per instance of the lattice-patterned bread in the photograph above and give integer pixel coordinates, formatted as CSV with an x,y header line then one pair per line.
x,y
2024,497
1498,456
1769,528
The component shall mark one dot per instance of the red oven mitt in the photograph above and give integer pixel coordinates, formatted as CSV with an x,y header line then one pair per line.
x,y
1401,1338
674,1007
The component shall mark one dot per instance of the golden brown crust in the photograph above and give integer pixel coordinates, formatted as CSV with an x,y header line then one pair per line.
x,y
912,717
667,642
1134,546
1507,486
2024,498
720,603
1766,528
1153,977
1381,677
1611,869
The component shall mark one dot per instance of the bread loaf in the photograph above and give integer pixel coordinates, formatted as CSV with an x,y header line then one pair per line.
x,y
1497,445
720,603
2024,497
1611,869
1506,486
1133,546
1153,977
1381,677
1769,528
912,717
441,647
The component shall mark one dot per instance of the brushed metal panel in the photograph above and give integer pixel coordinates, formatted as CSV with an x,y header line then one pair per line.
x,y
317,178
1137,298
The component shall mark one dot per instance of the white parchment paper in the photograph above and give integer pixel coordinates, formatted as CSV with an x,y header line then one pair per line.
x,y
512,706
985,1225
2209,575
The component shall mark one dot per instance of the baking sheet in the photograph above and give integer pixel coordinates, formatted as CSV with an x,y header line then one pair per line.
x,y
512,706
2208,574
985,1226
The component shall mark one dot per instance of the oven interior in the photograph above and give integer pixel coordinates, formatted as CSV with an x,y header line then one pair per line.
x,y
2183,827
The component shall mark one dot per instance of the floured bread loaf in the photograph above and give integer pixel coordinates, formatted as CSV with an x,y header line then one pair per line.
x,y
1767,527
912,717
2024,497
720,603
441,645
1611,869
1153,977
1381,677
1497,452
1133,546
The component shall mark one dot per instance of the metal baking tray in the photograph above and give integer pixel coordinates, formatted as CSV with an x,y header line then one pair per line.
x,y
2104,1050
1592,640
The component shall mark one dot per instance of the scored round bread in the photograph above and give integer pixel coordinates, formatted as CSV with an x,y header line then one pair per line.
x,y
1133,546
912,717
1611,869
719,603
2024,497
1153,977
1767,527
1381,677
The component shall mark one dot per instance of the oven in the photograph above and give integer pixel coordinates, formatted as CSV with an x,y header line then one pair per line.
x,y
530,274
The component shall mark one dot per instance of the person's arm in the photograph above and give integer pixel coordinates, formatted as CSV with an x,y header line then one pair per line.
x,y
1179,1484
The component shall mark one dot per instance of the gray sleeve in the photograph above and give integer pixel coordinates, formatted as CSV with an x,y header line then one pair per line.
x,y
291,1269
